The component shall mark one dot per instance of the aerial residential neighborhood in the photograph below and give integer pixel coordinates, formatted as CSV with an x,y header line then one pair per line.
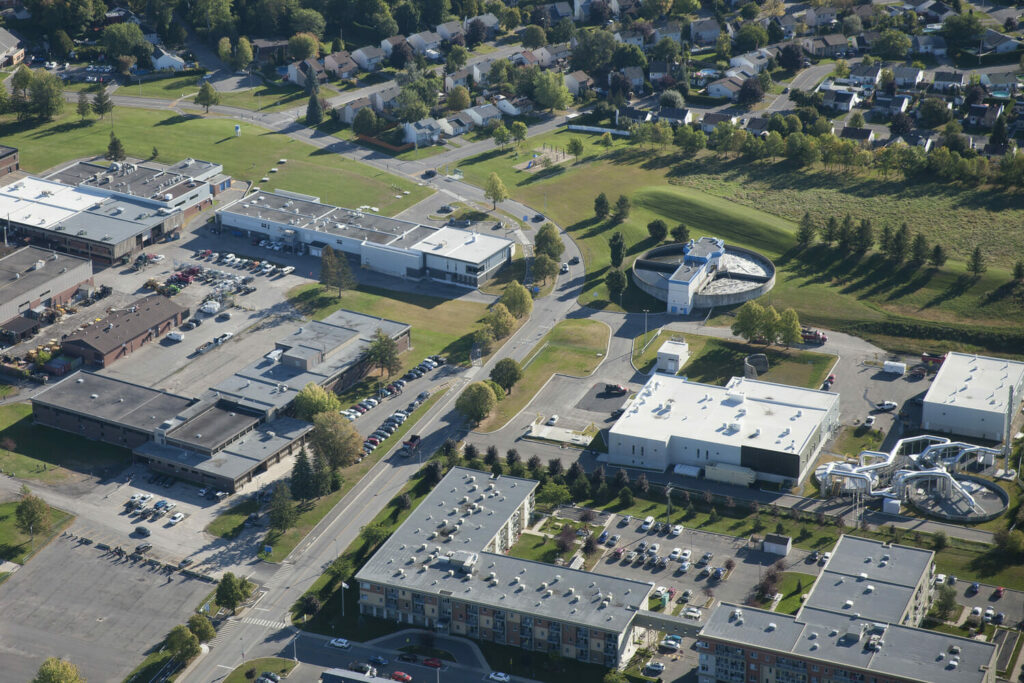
x,y
448,340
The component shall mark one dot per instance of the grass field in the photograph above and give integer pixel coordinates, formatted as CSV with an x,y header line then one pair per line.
x,y
537,548
28,451
508,273
230,522
572,347
329,176
439,326
755,204
278,665
792,586
854,440
15,545
272,97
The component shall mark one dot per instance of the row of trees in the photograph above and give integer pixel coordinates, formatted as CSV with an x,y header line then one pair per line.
x,y
34,94
754,322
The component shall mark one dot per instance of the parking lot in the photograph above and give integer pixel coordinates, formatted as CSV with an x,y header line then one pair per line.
x,y
91,607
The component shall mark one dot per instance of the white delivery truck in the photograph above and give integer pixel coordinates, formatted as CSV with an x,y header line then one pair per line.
x,y
894,367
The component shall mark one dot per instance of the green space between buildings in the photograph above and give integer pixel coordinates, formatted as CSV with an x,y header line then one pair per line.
x,y
538,548
278,665
793,586
15,545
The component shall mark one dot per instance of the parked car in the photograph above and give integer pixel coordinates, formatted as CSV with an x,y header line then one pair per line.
x,y
499,677
432,661
340,642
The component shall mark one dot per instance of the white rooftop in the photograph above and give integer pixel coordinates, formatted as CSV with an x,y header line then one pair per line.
x,y
43,203
674,347
976,382
744,412
461,245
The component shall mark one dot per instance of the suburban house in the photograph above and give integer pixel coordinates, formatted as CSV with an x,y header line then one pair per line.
x,y
915,139
578,81
907,76
630,37
524,58
948,80
928,44
816,17
675,116
634,75
425,132
658,70
787,22
489,21
341,65
466,76
1001,81
517,106
826,46
549,55
840,100
752,62
556,11
390,43
726,88
383,101
757,126
890,106
368,58
628,115
425,40
994,42
712,119
862,136
347,112
300,72
581,9
866,76
460,124
705,31
269,49
166,61
450,29
483,114
984,115
934,12
671,29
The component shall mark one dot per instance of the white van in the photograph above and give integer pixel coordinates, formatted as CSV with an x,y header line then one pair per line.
x,y
648,523
176,336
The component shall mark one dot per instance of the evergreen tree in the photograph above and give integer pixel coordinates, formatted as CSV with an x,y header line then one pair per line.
x,y
805,234
1018,271
919,249
601,206
865,237
885,240
281,513
680,234
976,264
617,247
900,245
616,282
101,103
846,234
321,476
622,207
938,257
84,108
831,232
314,111
115,150
302,487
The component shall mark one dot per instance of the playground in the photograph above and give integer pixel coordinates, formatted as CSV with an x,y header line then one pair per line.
x,y
545,157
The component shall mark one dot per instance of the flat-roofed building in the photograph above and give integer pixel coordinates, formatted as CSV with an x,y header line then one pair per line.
x,y
387,245
759,429
31,277
9,162
124,330
444,568
970,396
858,623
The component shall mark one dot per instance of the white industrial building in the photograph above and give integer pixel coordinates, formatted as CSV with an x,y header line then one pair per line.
x,y
970,396
698,268
672,356
387,245
743,431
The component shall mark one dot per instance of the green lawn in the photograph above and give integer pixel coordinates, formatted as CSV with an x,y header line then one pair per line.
x,y
164,88
755,204
329,176
716,361
537,548
29,451
281,667
439,326
272,97
572,347
15,545
508,273
150,666
229,523
854,440
645,348
792,586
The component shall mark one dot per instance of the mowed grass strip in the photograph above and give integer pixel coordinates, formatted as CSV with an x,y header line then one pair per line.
x,y
572,347
229,523
250,157
792,586
536,548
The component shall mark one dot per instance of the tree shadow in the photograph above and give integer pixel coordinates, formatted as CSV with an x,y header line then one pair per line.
x,y
957,289
177,119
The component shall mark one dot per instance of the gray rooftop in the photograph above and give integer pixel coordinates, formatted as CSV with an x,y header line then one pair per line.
x,y
910,653
20,277
113,400
147,180
406,560
212,427
113,220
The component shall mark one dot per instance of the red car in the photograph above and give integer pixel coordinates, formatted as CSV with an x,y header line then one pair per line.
x,y
1000,591
401,676
433,661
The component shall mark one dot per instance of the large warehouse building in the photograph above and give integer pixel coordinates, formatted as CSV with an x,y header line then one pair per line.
x,y
106,212
444,568
743,431
387,245
970,396
858,623
31,278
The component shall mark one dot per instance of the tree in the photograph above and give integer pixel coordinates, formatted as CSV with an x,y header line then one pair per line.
x,y
864,236
549,242
382,353
900,125
627,54
601,207
919,249
892,44
483,339
616,282
62,44
625,496
182,643
303,46
856,120
313,399
617,247
232,591
622,208
55,670
549,90
938,257
224,49
790,57
101,103
533,36
335,439
789,331
495,190
32,514
593,51
551,495
976,264
805,234
900,244
615,676
457,58
499,321
243,53
365,122
83,107
519,132
750,92
723,46
962,30
125,39
517,299
476,402
314,110
207,97
281,512
501,135
672,99
544,266
302,484
46,95
945,602
749,320
750,37
933,112
201,627
115,150
1018,271
658,230
575,147
458,99
506,372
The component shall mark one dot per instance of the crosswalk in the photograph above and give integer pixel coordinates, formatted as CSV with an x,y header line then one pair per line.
x,y
269,623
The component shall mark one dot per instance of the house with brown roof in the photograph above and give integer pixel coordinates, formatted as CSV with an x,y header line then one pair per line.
x,y
341,65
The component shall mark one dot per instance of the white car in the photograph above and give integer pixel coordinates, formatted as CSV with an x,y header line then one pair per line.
x,y
940,579
659,591
656,667
692,613
499,676
976,611
653,550
684,556
989,613
869,421
676,530
177,517
675,554
340,642
669,645
684,566
145,497
553,420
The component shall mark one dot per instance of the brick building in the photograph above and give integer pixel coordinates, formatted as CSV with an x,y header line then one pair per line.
x,y
125,330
